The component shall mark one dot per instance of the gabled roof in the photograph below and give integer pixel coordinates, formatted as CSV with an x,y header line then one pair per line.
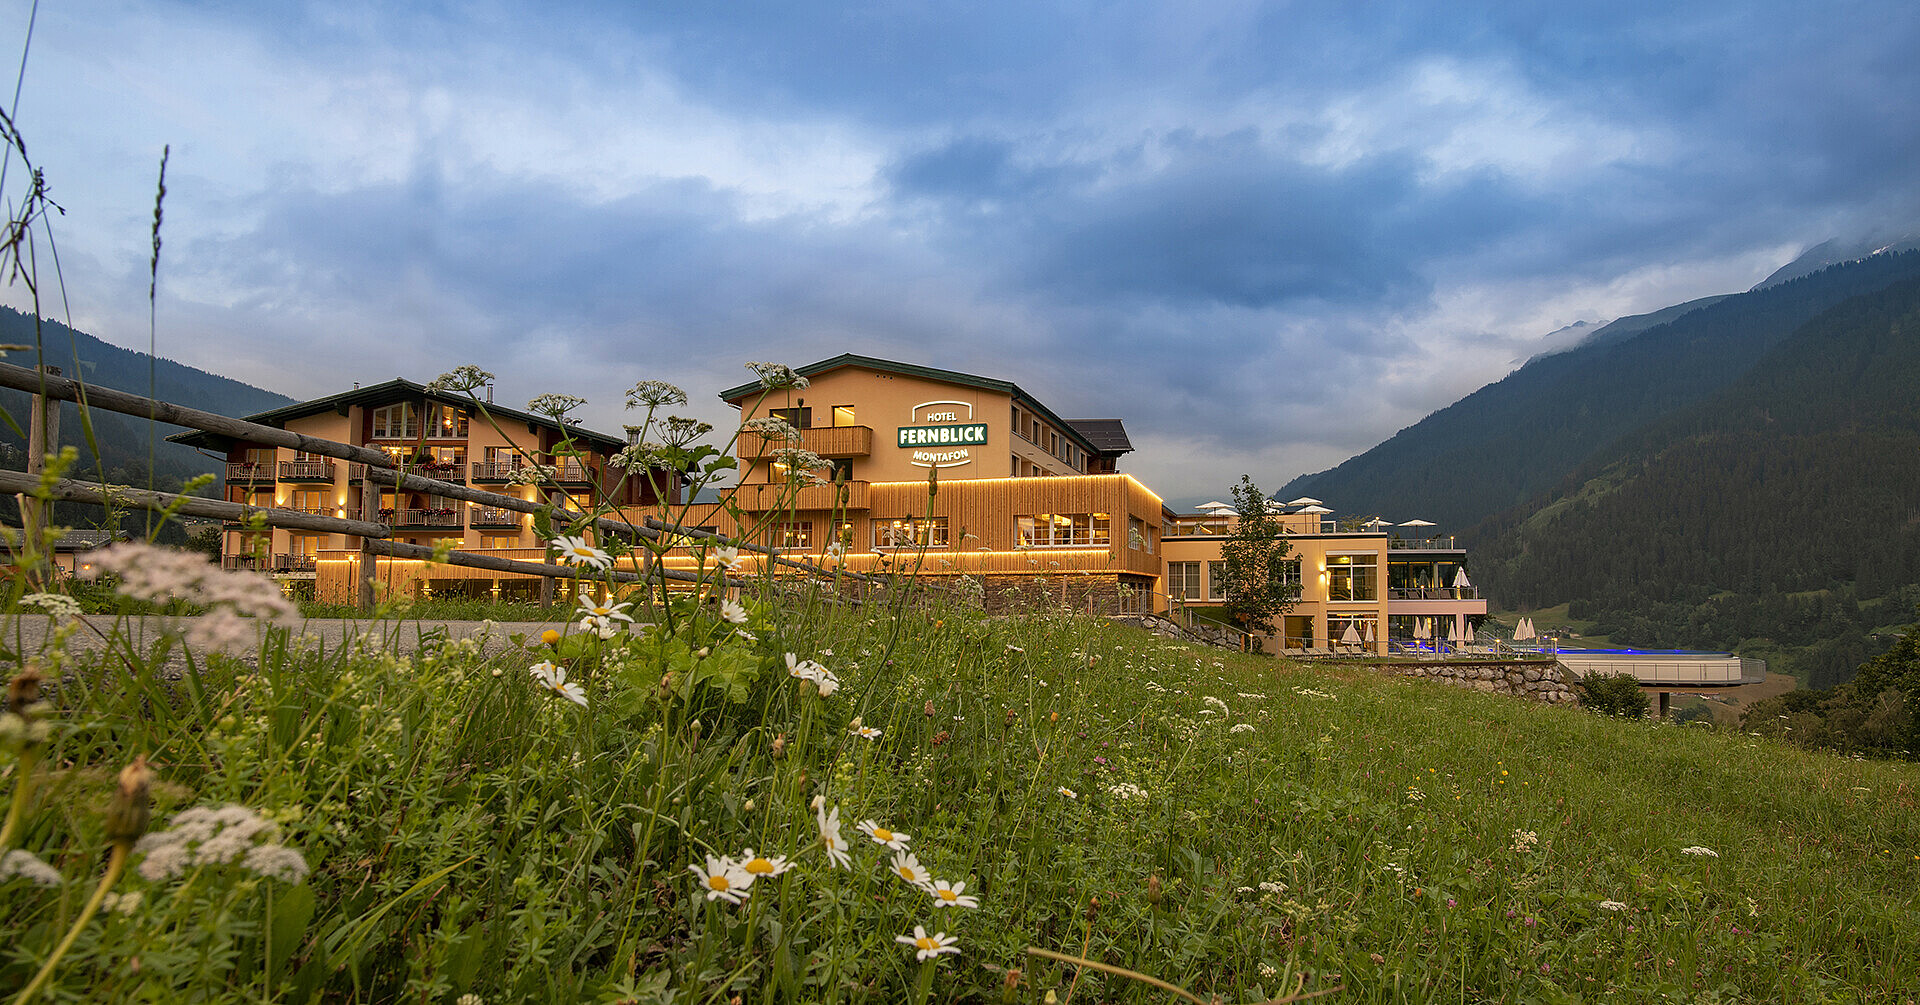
x,y
390,392
1108,436
734,395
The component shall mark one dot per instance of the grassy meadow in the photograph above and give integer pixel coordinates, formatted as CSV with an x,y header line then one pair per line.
x,y
1237,827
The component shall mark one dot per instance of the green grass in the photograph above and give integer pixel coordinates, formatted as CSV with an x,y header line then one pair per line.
x,y
471,834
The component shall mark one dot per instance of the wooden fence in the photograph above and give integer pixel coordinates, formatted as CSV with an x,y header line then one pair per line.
x,y
379,469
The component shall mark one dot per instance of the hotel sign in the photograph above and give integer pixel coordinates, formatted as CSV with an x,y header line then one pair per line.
x,y
941,434
973,433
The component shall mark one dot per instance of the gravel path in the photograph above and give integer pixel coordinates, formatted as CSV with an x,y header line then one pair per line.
x,y
332,632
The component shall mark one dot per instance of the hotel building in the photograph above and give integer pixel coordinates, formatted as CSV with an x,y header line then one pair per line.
x,y
438,435
928,471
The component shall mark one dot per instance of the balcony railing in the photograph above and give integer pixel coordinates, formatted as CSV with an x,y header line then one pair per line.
x,y
429,518
573,473
1433,593
293,563
249,472
827,441
774,495
494,471
446,471
1425,544
488,516
306,471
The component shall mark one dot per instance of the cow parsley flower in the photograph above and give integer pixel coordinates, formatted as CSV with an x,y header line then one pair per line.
x,y
775,376
651,394
29,867
1699,852
56,605
1611,905
555,406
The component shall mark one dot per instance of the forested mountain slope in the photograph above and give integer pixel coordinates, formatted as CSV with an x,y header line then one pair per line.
x,y
1513,439
1781,512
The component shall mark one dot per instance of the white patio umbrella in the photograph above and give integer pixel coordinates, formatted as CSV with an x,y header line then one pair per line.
x,y
1350,637
1313,509
1419,523
1460,579
1522,631
1304,501
1216,504
1531,633
1466,638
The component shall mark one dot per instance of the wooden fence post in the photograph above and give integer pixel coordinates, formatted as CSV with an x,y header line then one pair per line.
x,y
369,562
43,438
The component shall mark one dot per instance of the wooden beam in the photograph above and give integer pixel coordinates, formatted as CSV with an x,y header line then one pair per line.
x,y
64,389
68,490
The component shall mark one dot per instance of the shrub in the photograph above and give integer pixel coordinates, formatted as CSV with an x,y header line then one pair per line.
x,y
1615,694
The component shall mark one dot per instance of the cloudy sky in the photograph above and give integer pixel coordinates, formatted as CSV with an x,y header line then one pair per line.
x,y
1267,235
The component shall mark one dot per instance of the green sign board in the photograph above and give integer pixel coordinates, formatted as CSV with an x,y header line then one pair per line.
x,y
967,434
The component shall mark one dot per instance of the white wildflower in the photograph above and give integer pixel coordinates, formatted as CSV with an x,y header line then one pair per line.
x,y
733,613
29,867
1699,852
1611,905
54,604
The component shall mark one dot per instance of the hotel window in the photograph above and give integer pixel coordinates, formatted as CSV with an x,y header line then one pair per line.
x,y
910,533
1139,535
798,418
396,422
1216,580
1350,577
1183,580
303,544
792,534
1053,530
492,541
843,415
310,501
446,423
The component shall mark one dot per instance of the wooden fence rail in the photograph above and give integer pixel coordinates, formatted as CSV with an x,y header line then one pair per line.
x,y
380,470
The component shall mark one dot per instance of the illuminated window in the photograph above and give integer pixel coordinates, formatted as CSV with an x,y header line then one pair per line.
x,y
910,533
792,534
1053,530
843,415
1350,577
492,541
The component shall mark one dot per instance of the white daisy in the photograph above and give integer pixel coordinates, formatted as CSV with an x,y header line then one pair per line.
x,y
896,840
907,866
723,879
926,946
865,732
733,612
555,679
829,822
947,894
590,608
762,866
576,551
1069,793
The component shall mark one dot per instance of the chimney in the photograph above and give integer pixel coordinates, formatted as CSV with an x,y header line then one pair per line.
x,y
489,394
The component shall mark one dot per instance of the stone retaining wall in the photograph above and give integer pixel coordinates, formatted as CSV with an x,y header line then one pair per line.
x,y
1201,632
1540,681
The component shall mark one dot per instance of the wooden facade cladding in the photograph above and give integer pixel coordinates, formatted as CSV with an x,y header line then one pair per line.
x,y
827,441
759,497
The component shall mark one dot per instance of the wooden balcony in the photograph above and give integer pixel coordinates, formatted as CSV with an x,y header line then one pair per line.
x,y
424,519
249,473
575,473
449,471
306,471
493,472
492,518
827,441
760,497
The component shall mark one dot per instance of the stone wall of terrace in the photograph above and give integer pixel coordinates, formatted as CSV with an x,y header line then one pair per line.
x,y
1537,680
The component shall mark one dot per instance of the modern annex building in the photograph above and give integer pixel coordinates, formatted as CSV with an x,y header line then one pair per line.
x,y
931,471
